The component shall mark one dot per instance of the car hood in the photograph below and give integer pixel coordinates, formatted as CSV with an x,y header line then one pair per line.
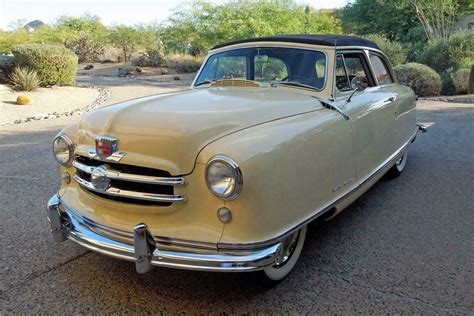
x,y
167,131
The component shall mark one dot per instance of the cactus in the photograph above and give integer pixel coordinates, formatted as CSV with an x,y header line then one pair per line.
x,y
471,81
22,100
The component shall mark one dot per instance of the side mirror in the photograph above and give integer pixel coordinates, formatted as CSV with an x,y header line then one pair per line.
x,y
359,83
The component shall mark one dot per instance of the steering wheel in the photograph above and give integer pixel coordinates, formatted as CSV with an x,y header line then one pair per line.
x,y
299,79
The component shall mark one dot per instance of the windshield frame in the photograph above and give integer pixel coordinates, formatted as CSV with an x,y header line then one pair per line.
x,y
316,89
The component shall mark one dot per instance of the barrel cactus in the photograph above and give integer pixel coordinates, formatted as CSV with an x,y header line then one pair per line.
x,y
22,100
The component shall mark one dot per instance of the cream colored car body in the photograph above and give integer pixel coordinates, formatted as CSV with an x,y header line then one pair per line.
x,y
299,159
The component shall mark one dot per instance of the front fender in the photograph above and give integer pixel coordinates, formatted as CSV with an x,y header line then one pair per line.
x,y
282,179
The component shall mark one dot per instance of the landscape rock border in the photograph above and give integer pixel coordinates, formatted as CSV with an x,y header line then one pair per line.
x,y
466,99
104,96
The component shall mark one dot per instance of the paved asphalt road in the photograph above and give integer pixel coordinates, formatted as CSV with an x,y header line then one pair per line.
x,y
407,245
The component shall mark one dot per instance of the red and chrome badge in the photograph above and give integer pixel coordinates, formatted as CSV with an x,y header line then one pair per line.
x,y
105,145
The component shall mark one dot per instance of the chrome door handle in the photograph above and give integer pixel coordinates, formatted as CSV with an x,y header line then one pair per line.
x,y
391,99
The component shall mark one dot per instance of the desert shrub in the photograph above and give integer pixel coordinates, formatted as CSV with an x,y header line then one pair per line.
x,y
7,64
24,79
111,55
421,78
394,50
184,63
86,49
126,70
447,83
455,52
414,35
54,64
461,80
151,58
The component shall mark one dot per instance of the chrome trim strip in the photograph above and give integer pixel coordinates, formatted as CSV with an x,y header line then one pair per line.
x,y
74,229
164,241
322,211
160,240
115,157
117,175
131,194
82,167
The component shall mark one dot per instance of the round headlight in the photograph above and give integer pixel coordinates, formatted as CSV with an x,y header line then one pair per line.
x,y
63,150
223,177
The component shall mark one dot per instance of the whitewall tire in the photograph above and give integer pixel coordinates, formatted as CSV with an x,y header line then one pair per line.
x,y
399,165
291,253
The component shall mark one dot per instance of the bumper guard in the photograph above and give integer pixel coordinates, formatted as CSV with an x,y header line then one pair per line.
x,y
67,224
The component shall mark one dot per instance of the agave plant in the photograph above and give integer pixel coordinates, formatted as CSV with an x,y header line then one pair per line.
x,y
24,79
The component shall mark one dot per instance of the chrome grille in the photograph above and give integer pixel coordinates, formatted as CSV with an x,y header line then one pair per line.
x,y
130,184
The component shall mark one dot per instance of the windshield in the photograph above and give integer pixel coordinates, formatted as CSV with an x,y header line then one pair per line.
x,y
298,67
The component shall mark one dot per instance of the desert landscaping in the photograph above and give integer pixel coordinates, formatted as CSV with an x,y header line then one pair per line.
x,y
406,246
96,87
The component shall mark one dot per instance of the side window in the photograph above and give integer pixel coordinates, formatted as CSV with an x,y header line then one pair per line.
x,y
320,66
268,68
380,70
231,67
342,81
349,66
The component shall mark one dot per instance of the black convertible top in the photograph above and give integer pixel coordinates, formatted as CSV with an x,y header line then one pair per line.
x,y
324,40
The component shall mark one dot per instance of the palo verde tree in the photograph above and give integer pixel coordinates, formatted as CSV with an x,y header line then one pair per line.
x,y
203,25
438,16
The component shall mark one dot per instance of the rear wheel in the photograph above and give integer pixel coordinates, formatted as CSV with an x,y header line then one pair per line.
x,y
399,166
292,247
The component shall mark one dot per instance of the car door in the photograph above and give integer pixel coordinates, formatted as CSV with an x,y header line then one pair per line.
x,y
402,101
370,111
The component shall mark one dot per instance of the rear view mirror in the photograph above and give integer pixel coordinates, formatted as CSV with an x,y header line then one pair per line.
x,y
261,59
359,83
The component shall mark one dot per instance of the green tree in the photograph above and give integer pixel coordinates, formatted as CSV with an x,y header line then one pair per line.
x,y
125,38
42,35
393,18
86,23
437,16
203,25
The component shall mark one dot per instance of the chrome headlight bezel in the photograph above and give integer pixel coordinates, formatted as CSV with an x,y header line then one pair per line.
x,y
70,150
235,172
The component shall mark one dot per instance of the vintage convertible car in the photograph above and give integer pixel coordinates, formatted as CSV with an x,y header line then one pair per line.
x,y
274,133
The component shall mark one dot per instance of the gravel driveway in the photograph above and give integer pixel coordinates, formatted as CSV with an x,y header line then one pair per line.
x,y
407,245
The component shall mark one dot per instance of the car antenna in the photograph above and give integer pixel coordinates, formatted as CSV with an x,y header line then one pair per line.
x,y
350,97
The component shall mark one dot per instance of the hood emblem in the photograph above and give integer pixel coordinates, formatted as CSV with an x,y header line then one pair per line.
x,y
105,146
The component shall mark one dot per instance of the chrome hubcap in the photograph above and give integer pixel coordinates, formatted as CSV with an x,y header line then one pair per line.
x,y
289,246
400,160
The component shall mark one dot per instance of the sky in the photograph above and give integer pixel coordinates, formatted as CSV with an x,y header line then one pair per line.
x,y
110,11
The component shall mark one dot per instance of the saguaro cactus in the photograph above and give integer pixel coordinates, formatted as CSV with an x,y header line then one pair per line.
x,y
471,81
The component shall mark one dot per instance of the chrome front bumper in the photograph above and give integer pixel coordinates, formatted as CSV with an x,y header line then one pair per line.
x,y
68,224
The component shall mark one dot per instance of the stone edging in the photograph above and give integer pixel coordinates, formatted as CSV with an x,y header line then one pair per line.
x,y
450,100
103,96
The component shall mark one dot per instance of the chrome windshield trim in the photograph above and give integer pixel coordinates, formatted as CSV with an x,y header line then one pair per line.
x,y
131,194
117,175
266,45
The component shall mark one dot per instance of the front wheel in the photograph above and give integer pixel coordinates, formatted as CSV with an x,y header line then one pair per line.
x,y
292,247
399,166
